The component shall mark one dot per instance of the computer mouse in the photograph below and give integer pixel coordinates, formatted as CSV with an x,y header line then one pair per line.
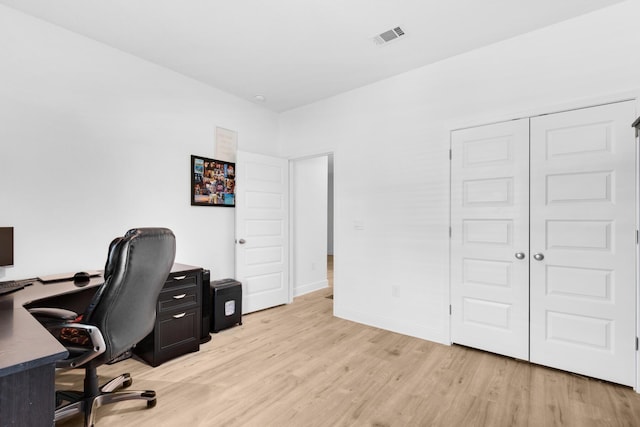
x,y
81,277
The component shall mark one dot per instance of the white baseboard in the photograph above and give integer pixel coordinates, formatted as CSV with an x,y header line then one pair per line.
x,y
412,330
309,287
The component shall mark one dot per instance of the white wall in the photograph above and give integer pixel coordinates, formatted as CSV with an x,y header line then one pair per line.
x,y
94,141
309,197
391,142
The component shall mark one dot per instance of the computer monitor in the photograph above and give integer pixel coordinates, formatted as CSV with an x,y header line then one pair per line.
x,y
6,246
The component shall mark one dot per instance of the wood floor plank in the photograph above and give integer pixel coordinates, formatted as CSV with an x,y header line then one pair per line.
x,y
297,365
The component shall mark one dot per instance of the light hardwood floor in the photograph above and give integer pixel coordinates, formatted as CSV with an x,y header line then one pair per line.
x,y
297,365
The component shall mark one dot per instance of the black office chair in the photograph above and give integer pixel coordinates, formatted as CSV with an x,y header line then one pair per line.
x,y
121,314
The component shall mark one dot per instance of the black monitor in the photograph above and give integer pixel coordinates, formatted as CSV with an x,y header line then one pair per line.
x,y
6,246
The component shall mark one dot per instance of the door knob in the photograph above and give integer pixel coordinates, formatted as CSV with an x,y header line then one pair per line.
x,y
538,257
520,255
242,241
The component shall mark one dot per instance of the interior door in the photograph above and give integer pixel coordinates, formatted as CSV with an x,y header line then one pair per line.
x,y
583,242
262,230
490,238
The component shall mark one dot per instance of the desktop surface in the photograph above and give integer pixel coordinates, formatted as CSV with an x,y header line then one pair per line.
x,y
24,343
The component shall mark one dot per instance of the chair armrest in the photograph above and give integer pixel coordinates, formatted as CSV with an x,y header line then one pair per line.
x,y
98,346
57,319
51,313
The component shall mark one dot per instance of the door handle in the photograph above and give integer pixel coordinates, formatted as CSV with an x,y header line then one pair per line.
x,y
538,257
242,241
520,255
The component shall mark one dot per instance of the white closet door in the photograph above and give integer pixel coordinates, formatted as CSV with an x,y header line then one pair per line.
x,y
490,226
582,223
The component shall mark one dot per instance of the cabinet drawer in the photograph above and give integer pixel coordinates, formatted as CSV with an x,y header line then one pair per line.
x,y
178,297
181,279
179,332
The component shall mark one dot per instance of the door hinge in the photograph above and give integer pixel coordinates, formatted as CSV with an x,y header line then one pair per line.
x,y
636,237
449,232
450,154
450,311
636,343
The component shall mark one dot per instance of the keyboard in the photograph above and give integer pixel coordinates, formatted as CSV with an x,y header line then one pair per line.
x,y
12,285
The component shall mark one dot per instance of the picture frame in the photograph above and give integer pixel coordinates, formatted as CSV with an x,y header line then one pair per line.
x,y
213,182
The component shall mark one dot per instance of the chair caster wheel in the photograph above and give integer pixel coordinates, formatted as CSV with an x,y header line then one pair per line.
x,y
152,398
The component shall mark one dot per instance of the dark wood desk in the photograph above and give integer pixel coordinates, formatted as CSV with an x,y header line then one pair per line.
x,y
28,353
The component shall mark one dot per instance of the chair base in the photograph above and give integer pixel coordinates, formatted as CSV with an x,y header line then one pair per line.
x,y
81,403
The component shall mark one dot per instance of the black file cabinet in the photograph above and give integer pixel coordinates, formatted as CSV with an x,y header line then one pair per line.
x,y
178,318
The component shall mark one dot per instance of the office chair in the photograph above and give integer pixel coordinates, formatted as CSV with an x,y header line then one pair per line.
x,y
121,314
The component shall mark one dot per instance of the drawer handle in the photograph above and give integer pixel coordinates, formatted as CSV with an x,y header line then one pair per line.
x,y
179,296
177,316
179,277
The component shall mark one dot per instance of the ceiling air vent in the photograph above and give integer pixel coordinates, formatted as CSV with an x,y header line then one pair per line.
x,y
387,36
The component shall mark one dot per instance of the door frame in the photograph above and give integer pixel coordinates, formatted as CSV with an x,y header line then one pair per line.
x,y
637,144
551,109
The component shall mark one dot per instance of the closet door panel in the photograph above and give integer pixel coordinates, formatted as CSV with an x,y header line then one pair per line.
x,y
490,225
583,232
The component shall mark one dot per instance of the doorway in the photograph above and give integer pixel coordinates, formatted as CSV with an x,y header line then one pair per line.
x,y
311,223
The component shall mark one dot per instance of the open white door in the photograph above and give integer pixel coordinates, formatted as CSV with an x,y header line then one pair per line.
x,y
262,230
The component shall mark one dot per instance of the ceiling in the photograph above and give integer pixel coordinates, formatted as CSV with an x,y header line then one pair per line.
x,y
295,52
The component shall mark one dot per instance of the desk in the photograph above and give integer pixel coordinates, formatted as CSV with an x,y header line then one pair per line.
x,y
28,353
